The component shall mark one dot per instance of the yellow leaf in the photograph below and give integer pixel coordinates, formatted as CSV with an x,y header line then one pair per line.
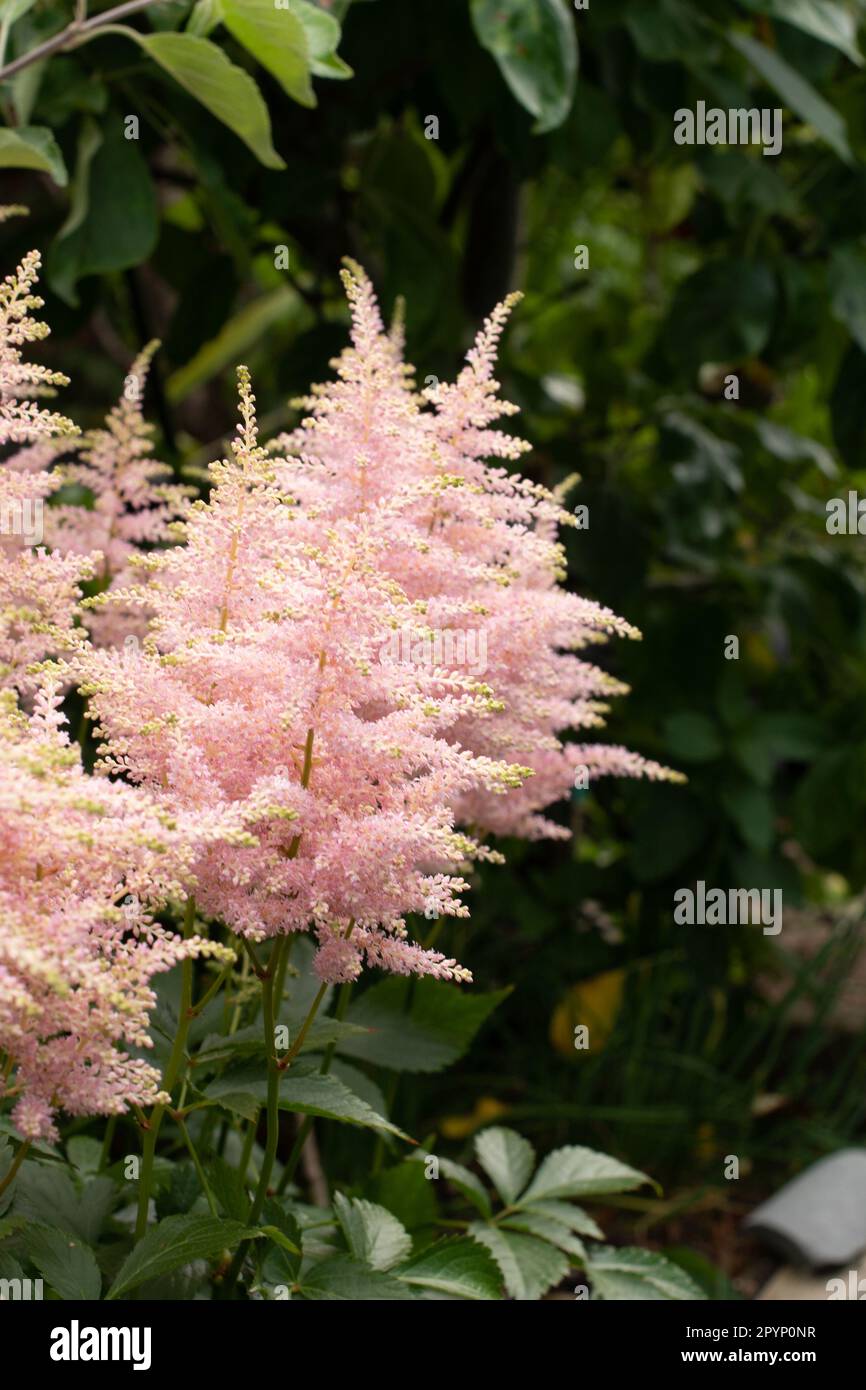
x,y
594,1005
461,1126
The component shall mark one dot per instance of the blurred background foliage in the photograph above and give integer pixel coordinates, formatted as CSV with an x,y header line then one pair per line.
x,y
552,129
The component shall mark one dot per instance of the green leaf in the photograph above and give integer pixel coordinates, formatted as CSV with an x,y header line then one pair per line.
x,y
456,1268
204,17
226,90
323,35
533,1223
113,221
753,813
846,279
423,1031
796,92
32,147
508,1160
245,329
304,1090
573,1217
175,1242
341,1279
13,10
667,32
67,1264
373,1235
280,1238
631,1274
277,39
529,1266
577,1172
407,1193
535,47
692,737
823,19
47,1195
464,1180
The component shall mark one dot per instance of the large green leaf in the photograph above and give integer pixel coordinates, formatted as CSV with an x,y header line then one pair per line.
x,y
827,20
304,1090
630,1273
67,1264
535,47
577,1172
277,39
508,1160
529,1266
175,1242
113,221
373,1235
32,147
796,92
226,90
341,1279
456,1268
419,1031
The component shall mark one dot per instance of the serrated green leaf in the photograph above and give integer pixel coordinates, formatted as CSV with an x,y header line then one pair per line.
x,y
454,1267
32,147
531,1222
373,1235
341,1279
65,1262
226,90
529,1266
573,1217
507,1158
173,1243
421,1032
304,1090
464,1180
631,1274
577,1172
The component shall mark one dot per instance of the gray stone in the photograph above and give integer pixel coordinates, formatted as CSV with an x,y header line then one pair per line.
x,y
819,1218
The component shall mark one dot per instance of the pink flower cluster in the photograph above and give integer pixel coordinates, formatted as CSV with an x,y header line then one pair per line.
x,y
82,861
267,744
474,547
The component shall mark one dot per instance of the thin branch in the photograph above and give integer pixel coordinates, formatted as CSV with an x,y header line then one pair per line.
x,y
79,31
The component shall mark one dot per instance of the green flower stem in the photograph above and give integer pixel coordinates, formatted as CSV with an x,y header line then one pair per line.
x,y
16,1164
172,1071
193,1153
303,1133
275,1071
107,1141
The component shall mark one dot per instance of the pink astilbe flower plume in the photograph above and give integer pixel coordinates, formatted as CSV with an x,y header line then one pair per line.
x,y
38,592
82,864
261,686
135,503
21,420
474,546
